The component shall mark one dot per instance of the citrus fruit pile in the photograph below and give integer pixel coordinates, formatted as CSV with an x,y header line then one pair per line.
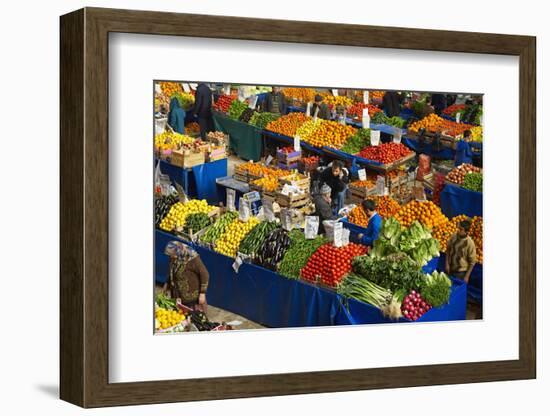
x,y
171,140
386,206
302,94
328,133
165,318
267,183
425,212
433,123
358,216
287,125
170,88
260,170
333,101
179,211
230,240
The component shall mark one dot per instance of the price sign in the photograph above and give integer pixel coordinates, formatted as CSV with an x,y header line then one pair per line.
x,y
308,109
244,210
297,143
365,97
375,137
366,118
267,205
237,263
158,89
380,185
286,219
315,115
457,117
268,160
193,85
343,120
397,135
362,174
335,93
253,101
230,195
227,89
338,237
186,87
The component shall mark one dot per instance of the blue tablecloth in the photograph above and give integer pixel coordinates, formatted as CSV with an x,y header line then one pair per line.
x,y
275,301
445,153
456,200
294,109
199,181
475,285
290,140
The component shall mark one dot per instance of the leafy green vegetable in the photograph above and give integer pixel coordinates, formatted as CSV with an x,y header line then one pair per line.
x,y
436,288
357,287
357,142
261,120
236,109
395,121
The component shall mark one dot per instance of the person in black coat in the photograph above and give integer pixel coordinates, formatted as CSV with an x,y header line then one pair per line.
x,y
391,102
337,178
275,102
203,109
439,103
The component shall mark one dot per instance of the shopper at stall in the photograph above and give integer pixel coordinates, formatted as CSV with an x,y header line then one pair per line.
x,y
176,116
323,207
322,108
439,103
337,177
391,103
187,275
461,256
375,223
203,109
275,102
463,151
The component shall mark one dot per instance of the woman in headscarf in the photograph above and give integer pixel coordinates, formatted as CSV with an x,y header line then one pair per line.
x,y
176,116
187,276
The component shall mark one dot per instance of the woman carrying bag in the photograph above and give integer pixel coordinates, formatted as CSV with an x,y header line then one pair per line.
x,y
187,276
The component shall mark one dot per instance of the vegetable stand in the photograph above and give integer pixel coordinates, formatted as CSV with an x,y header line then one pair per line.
x,y
273,300
244,139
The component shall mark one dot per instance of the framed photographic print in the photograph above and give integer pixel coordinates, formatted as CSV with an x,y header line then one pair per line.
x,y
283,207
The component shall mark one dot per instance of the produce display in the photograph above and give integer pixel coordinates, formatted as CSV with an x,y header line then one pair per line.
x,y
193,128
229,241
477,134
260,170
433,123
268,183
436,288
236,109
458,174
426,212
162,207
358,216
170,140
178,213
415,241
339,100
385,153
196,222
216,136
273,249
170,88
473,181
358,141
329,264
377,95
325,133
357,287
310,162
414,306
287,125
185,99
304,95
215,231
261,120
251,244
298,253
453,109
357,109
386,206
165,318
246,115
395,121
223,103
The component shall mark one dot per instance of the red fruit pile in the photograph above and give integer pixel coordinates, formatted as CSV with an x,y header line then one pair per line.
x,y
223,103
357,109
287,149
330,264
386,152
414,306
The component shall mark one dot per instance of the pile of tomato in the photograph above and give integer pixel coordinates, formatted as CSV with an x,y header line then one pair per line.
x,y
357,109
329,264
223,103
386,152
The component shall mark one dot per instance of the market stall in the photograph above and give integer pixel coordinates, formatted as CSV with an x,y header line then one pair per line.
x,y
245,139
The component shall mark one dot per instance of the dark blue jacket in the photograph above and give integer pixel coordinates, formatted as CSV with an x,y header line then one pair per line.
x,y
373,229
268,102
203,101
463,153
176,116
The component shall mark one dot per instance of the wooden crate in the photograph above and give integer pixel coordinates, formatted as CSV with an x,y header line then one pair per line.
x,y
289,158
186,158
292,200
302,182
361,191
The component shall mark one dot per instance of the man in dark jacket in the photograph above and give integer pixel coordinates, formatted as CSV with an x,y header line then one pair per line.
x,y
337,178
322,207
439,103
274,102
324,111
391,102
203,109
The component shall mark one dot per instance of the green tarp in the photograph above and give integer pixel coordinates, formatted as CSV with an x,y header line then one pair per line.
x,y
245,140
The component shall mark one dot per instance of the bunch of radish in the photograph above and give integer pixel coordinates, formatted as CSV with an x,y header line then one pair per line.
x,y
414,306
457,174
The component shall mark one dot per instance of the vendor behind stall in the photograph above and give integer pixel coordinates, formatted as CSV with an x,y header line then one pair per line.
x,y
375,223
461,256
463,151
203,109
176,116
274,102
323,207
323,110
337,177
188,277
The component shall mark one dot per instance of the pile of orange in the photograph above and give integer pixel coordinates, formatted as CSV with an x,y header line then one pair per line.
x,y
376,95
426,212
364,184
287,125
170,88
444,232
329,133
260,170
333,101
268,183
358,216
433,123
304,95
386,206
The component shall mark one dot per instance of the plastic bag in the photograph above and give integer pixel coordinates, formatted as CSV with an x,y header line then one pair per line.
x,y
311,227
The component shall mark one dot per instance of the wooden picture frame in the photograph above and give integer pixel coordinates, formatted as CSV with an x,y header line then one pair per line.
x,y
84,207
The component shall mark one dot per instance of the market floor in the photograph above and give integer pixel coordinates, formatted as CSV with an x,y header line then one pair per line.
x,y
220,315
